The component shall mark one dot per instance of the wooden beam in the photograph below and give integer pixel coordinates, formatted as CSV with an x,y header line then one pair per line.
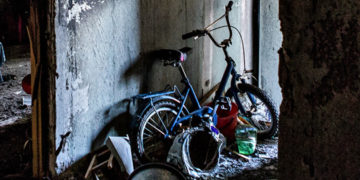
x,y
36,114
41,32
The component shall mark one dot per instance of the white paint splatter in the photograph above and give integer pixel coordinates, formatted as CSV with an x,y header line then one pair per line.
x,y
76,10
81,100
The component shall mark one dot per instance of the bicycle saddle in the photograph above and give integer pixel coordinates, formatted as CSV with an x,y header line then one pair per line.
x,y
171,56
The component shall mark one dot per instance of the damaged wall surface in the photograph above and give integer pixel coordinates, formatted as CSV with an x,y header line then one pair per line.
x,y
100,46
319,76
270,38
91,62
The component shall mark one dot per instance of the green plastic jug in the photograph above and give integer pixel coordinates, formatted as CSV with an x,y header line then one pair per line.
x,y
245,136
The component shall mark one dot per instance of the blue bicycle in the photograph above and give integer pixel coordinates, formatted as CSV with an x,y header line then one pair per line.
x,y
165,115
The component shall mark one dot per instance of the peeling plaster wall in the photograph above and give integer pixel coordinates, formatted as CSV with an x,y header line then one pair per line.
x,y
270,38
320,80
96,42
99,46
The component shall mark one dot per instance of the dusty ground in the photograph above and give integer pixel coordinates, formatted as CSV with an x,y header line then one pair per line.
x,y
11,93
15,126
262,164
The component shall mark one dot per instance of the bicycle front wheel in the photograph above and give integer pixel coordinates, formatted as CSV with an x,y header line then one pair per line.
x,y
259,108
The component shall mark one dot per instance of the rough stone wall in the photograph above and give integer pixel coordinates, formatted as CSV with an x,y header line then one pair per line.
x,y
320,80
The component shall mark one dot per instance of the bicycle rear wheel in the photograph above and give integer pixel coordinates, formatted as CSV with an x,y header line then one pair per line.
x,y
259,108
151,144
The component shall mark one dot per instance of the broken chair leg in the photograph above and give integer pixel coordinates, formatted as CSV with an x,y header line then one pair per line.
x,y
93,166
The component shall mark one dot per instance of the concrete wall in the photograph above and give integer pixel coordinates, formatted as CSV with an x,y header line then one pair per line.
x,y
96,42
319,76
100,44
270,39
241,18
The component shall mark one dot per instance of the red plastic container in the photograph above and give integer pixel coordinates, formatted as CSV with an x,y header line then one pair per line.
x,y
227,121
226,117
229,130
26,84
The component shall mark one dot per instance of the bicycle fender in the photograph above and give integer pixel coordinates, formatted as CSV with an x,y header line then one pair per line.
x,y
161,98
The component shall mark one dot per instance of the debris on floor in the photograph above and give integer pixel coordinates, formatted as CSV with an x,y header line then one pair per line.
x,y
196,152
120,148
117,148
261,165
16,148
12,105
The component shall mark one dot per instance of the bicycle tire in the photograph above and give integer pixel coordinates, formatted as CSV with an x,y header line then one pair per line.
x,y
149,122
270,114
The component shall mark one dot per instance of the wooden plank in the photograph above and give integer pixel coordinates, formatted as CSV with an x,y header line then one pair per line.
x,y
238,154
208,94
50,84
41,32
36,113
104,152
110,164
88,171
99,165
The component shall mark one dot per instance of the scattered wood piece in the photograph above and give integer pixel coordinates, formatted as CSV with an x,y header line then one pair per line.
x,y
87,174
110,164
104,152
238,154
208,94
241,120
99,165
94,165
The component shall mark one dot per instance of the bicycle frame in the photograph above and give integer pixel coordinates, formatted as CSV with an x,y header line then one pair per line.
x,y
189,91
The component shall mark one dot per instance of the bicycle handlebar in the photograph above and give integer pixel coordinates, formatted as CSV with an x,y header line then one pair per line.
x,y
202,32
228,7
193,34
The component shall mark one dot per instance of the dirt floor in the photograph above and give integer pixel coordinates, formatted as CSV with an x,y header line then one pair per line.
x,y
15,126
263,164
11,92
15,132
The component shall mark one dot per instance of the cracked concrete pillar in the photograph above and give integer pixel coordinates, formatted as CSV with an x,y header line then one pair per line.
x,y
320,80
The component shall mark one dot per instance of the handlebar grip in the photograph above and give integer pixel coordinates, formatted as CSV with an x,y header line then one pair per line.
x,y
191,34
228,7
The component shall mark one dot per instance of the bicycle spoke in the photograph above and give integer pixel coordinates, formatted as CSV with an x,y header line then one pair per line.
x,y
146,140
149,135
156,128
151,119
149,130
160,118
153,145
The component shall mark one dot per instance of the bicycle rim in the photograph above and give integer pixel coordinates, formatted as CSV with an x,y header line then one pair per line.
x,y
258,112
152,135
